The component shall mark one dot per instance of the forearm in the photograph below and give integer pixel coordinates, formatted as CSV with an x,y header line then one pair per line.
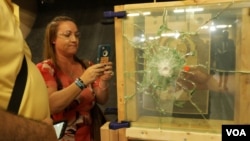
x,y
102,92
17,128
58,102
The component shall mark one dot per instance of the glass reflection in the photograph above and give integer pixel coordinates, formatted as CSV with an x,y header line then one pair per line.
x,y
185,60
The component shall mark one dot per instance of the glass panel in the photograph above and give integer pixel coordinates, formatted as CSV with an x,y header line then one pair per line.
x,y
180,65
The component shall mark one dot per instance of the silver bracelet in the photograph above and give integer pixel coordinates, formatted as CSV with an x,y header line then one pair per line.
x,y
80,83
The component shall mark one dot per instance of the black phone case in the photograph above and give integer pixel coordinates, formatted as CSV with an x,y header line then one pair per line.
x,y
103,53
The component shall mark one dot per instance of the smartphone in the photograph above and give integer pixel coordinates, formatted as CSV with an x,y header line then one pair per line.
x,y
103,53
60,127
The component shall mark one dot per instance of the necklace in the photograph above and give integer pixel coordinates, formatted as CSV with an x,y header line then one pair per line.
x,y
71,74
72,71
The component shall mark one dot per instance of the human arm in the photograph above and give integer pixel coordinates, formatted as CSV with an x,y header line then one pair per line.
x,y
200,78
13,127
102,88
72,91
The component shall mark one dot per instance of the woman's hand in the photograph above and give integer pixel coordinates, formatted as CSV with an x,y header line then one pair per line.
x,y
108,72
102,70
101,91
92,73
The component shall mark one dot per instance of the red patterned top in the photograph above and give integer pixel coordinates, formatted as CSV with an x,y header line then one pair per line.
x,y
78,112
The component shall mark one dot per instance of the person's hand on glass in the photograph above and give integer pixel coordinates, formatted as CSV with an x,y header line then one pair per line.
x,y
194,77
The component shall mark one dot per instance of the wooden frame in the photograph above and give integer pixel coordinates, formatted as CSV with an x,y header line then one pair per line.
x,y
201,129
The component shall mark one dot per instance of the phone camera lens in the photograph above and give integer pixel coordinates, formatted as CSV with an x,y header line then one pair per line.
x,y
105,53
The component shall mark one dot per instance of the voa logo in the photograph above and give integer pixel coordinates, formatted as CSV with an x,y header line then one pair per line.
x,y
236,132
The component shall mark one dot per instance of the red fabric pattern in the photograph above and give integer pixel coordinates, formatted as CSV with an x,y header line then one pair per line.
x,y
76,113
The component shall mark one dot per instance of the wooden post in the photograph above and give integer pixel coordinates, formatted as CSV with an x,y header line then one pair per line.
x,y
242,97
